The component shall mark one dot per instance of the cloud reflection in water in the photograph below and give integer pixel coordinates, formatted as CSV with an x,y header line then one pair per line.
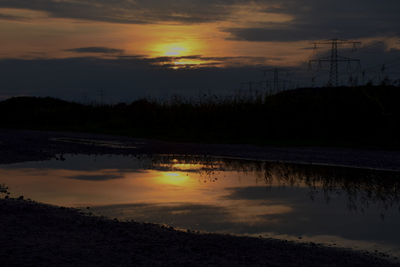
x,y
230,196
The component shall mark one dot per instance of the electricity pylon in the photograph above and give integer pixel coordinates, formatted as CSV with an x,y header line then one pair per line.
x,y
249,84
334,58
277,81
276,78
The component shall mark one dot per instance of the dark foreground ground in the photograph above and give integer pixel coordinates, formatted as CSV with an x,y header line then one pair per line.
x,y
34,234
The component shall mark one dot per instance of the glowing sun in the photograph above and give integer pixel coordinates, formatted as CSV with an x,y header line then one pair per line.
x,y
173,50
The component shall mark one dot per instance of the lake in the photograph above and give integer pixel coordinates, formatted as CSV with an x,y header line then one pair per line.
x,y
336,206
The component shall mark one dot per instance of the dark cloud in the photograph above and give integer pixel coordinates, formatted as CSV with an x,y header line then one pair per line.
x,y
184,215
203,61
127,11
121,79
96,49
310,216
103,177
313,19
10,17
251,193
125,78
302,217
376,63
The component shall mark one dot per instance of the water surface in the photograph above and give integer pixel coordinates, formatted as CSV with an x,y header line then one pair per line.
x,y
336,206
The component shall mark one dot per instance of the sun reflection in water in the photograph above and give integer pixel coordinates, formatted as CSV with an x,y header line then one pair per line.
x,y
251,198
174,178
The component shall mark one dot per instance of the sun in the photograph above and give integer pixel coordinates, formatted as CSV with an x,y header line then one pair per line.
x,y
173,50
183,54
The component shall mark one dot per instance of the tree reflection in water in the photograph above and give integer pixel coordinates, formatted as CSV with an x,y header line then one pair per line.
x,y
362,187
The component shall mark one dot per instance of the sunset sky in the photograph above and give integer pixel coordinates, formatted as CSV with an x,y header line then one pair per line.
x,y
134,48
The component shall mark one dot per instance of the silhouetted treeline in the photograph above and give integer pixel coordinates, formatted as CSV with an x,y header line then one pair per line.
x,y
361,116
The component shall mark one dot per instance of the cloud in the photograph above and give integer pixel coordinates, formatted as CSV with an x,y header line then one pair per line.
x,y
121,79
309,19
104,177
373,56
306,217
127,11
11,17
311,216
125,78
96,49
206,217
315,19
197,61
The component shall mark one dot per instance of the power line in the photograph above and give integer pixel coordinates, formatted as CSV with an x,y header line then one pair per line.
x,y
278,83
334,58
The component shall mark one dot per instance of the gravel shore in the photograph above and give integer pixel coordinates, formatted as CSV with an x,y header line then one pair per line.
x,y
34,234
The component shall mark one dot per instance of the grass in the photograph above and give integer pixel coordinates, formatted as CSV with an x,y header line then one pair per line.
x,y
347,116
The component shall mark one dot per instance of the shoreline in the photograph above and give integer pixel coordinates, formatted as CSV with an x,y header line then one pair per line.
x,y
37,223
23,145
35,233
298,163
